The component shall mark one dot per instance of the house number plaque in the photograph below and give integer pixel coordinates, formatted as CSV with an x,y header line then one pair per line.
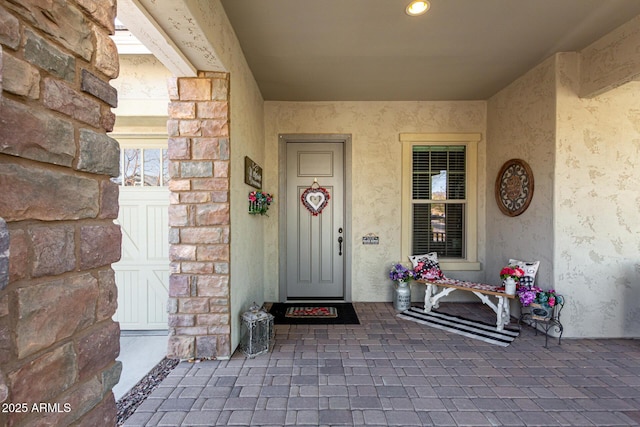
x,y
370,239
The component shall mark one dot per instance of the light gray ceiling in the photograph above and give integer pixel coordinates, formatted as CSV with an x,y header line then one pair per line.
x,y
317,50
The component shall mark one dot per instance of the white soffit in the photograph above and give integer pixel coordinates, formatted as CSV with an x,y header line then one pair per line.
x,y
189,24
128,44
145,28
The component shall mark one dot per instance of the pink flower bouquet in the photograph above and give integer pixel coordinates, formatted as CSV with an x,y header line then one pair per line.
x,y
511,271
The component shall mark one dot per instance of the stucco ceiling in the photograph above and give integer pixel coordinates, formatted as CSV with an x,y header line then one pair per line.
x,y
317,50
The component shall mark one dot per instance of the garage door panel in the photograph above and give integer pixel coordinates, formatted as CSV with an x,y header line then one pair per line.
x,y
131,236
157,292
157,243
128,290
142,274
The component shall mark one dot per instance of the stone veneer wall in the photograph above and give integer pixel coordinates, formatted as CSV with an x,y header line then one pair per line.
x,y
58,343
199,219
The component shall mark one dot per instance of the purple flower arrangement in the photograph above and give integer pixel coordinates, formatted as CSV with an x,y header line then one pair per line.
x,y
400,273
534,294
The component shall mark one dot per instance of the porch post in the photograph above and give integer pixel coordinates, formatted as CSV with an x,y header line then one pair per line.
x,y
198,128
58,342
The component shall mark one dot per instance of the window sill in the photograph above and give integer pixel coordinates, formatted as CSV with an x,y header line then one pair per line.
x,y
460,266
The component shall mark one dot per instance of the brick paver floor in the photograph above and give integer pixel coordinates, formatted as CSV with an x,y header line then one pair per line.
x,y
392,372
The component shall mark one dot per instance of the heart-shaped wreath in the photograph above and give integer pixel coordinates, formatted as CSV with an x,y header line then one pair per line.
x,y
315,199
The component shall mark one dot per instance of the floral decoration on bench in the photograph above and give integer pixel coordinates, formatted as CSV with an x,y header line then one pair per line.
x,y
427,271
470,285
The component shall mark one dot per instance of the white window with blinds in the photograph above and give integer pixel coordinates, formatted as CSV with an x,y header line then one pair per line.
x,y
439,198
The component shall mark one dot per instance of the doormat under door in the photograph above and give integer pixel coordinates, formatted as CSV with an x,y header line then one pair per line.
x,y
308,312
314,314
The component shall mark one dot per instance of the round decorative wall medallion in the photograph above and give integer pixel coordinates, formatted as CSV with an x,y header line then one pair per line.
x,y
514,187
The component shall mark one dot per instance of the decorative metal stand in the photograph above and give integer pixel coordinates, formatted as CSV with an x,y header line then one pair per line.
x,y
257,330
529,317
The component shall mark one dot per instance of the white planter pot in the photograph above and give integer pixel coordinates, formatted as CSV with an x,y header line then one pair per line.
x,y
402,297
510,286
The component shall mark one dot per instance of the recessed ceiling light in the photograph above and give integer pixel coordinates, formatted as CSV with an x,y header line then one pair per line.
x,y
417,7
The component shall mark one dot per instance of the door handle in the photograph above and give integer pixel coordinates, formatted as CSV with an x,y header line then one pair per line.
x,y
340,246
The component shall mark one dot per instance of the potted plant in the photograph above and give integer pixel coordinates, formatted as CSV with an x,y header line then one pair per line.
x,y
259,202
511,276
541,302
402,293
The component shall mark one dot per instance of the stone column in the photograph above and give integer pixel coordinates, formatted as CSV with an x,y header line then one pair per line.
x,y
58,343
198,129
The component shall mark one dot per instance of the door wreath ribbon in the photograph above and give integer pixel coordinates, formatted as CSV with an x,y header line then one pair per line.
x,y
315,198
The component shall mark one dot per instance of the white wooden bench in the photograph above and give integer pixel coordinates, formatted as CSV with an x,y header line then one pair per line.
x,y
432,296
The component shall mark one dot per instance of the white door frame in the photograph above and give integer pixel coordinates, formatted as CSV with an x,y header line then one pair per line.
x,y
282,216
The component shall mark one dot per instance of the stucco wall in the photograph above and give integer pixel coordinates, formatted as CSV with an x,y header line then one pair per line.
x,y
583,223
597,200
521,124
144,77
611,61
246,138
142,86
376,176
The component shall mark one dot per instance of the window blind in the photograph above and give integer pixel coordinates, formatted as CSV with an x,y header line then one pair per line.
x,y
439,200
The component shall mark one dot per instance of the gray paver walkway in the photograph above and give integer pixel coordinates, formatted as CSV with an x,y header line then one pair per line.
x,y
392,372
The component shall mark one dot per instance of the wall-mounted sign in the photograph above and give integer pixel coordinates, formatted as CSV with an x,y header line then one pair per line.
x,y
370,239
252,173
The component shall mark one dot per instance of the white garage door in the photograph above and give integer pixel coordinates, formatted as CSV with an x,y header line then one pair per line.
x,y
142,274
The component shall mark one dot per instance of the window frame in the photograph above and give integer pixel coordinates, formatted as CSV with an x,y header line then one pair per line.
x,y
146,141
470,141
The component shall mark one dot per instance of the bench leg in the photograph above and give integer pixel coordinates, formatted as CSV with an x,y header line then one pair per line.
x,y
427,298
501,310
432,296
503,313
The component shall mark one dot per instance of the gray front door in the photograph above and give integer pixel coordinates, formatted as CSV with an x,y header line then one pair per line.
x,y
315,256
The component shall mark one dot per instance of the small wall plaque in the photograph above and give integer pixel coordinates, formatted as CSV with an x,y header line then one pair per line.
x,y
370,239
252,173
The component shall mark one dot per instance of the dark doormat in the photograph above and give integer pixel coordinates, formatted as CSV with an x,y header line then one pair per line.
x,y
346,314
